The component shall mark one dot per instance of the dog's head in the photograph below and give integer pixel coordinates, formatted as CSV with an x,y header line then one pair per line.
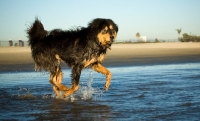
x,y
105,31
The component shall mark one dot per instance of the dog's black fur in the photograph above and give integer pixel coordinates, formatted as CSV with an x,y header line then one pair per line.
x,y
76,47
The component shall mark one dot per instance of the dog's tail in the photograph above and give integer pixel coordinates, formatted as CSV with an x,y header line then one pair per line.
x,y
36,32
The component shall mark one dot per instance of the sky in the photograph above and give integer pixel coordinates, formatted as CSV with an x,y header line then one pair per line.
x,y
151,18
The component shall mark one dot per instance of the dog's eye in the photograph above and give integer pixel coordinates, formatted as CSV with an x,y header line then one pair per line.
x,y
104,32
112,31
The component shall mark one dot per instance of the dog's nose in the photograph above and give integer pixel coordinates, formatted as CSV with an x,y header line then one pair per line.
x,y
111,37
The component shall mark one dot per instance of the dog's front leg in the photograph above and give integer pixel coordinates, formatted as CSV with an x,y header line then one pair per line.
x,y
101,69
76,72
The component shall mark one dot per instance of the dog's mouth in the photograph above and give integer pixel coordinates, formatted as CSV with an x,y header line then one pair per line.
x,y
108,46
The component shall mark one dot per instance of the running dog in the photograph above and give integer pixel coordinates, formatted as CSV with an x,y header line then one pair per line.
x,y
78,48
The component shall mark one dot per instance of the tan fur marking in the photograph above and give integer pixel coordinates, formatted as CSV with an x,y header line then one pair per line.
x,y
111,27
98,59
59,85
88,62
106,28
57,57
103,38
101,58
101,69
71,90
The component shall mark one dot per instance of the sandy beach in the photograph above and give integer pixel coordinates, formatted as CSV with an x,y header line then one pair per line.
x,y
19,58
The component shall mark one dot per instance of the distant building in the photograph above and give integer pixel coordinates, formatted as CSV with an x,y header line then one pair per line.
x,y
21,43
142,39
10,43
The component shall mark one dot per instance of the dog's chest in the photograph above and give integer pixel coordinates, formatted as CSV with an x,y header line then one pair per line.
x,y
93,60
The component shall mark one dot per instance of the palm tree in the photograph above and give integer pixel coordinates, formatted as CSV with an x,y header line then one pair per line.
x,y
179,31
138,35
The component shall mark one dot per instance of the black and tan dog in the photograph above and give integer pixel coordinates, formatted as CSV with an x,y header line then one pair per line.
x,y
79,48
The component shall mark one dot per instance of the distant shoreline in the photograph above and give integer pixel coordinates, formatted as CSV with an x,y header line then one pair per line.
x,y
14,59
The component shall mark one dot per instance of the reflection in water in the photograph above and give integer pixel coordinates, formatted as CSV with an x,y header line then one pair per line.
x,y
80,110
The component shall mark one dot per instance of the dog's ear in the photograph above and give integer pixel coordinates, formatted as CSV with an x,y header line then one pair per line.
x,y
95,23
115,26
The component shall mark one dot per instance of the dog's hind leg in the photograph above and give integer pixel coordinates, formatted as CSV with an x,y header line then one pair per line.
x,y
76,72
56,78
101,69
55,89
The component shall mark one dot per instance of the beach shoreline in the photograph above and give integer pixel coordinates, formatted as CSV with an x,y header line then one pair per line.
x,y
19,58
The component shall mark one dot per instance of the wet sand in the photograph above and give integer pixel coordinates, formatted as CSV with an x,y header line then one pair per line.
x,y
19,58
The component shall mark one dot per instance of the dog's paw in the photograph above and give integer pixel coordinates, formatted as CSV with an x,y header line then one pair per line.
x,y
107,85
68,93
63,87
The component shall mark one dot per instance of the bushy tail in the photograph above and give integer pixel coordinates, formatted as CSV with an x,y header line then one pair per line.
x,y
36,32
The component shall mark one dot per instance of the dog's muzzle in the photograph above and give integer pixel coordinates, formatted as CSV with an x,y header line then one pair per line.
x,y
109,43
112,37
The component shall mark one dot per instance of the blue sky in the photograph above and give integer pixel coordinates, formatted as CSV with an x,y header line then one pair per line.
x,y
151,18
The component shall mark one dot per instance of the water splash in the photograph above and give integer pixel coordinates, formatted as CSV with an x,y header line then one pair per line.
x,y
48,96
86,92
24,93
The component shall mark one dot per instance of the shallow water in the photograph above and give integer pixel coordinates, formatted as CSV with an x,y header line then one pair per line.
x,y
159,92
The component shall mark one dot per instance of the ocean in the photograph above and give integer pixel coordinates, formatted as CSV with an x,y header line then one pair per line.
x,y
142,92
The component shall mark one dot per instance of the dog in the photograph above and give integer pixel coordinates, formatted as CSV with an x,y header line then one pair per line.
x,y
79,48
